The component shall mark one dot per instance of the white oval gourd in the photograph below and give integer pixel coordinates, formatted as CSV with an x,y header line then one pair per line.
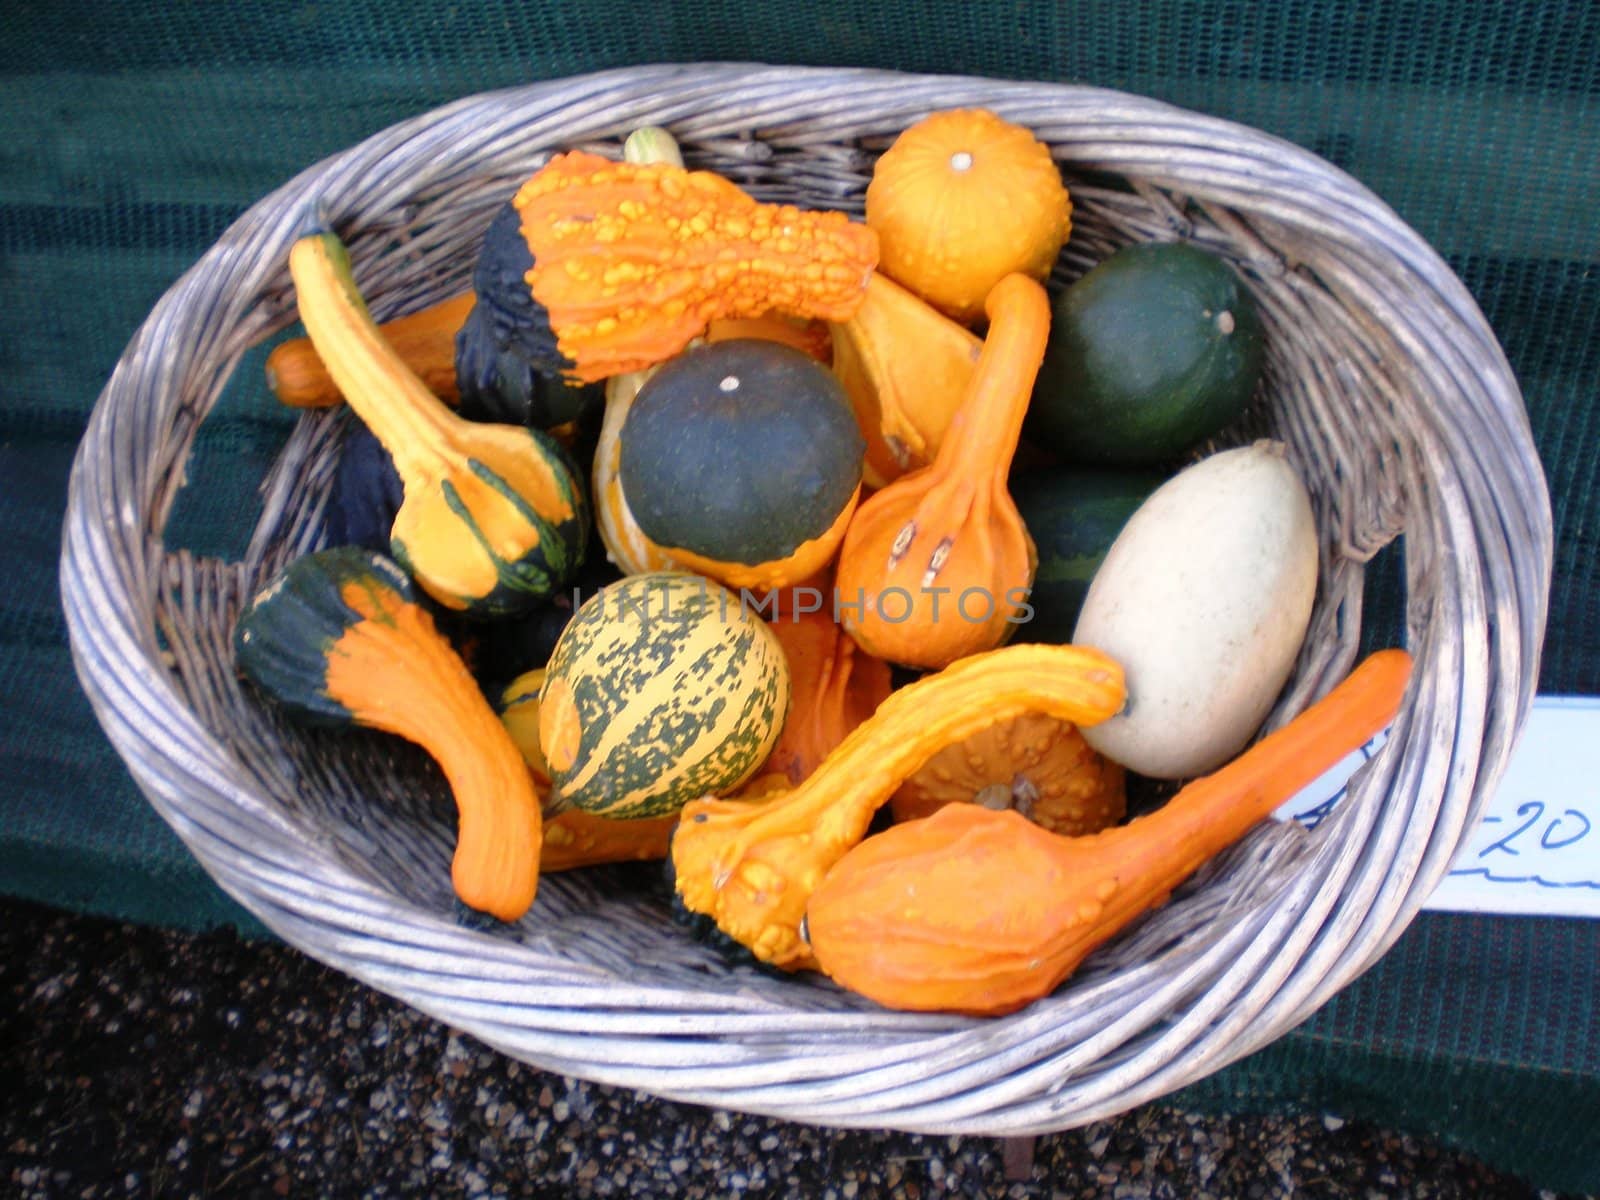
x,y
1204,597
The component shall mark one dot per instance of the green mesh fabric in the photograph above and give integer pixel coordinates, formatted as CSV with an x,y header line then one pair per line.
x,y
137,132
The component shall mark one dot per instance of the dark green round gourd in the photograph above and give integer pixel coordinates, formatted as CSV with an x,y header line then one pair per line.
x,y
1073,517
1155,349
740,452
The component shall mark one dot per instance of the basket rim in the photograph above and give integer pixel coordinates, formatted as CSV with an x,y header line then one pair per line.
x,y
1035,1071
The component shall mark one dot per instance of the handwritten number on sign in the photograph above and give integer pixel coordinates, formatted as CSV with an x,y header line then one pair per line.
x,y
1536,808
1561,843
1550,838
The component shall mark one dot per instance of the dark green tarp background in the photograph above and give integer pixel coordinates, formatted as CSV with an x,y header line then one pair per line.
x,y
136,133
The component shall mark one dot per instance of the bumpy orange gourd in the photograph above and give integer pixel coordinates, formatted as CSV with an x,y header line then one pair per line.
x,y
962,199
905,367
1037,764
631,260
976,911
834,686
751,864
937,565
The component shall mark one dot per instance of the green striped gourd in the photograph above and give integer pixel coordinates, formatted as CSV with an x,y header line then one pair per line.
x,y
663,688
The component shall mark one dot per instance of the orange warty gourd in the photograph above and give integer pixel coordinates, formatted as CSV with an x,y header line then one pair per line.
x,y
937,564
976,911
632,260
962,199
1037,764
750,865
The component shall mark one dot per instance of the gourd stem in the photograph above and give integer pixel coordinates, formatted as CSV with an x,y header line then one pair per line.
x,y
411,422
1211,813
983,434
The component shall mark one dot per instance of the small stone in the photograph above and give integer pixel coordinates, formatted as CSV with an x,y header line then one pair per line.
x,y
1332,1123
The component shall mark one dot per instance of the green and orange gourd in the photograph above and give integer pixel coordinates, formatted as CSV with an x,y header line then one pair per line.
x,y
339,637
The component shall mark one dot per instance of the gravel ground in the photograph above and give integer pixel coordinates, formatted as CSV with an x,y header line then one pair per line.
x,y
164,1064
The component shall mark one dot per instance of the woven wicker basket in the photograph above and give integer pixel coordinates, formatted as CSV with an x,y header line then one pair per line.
x,y
1383,377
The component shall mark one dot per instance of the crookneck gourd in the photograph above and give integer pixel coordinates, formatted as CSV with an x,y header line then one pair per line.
x,y
834,686
751,865
574,838
978,911
631,260
937,565
340,638
1034,763
495,517
905,367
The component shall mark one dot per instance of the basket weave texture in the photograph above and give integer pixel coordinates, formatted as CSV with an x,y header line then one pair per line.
x,y
1382,376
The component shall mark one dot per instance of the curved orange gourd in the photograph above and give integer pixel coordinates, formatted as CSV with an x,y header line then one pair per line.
x,y
976,911
751,864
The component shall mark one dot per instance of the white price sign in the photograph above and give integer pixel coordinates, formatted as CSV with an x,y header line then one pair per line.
x,y
1537,847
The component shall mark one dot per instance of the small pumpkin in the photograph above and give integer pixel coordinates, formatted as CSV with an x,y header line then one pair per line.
x,y
1034,763
632,260
662,687
905,367
574,838
494,518
834,686
741,460
339,638
937,564
962,199
750,865
976,911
